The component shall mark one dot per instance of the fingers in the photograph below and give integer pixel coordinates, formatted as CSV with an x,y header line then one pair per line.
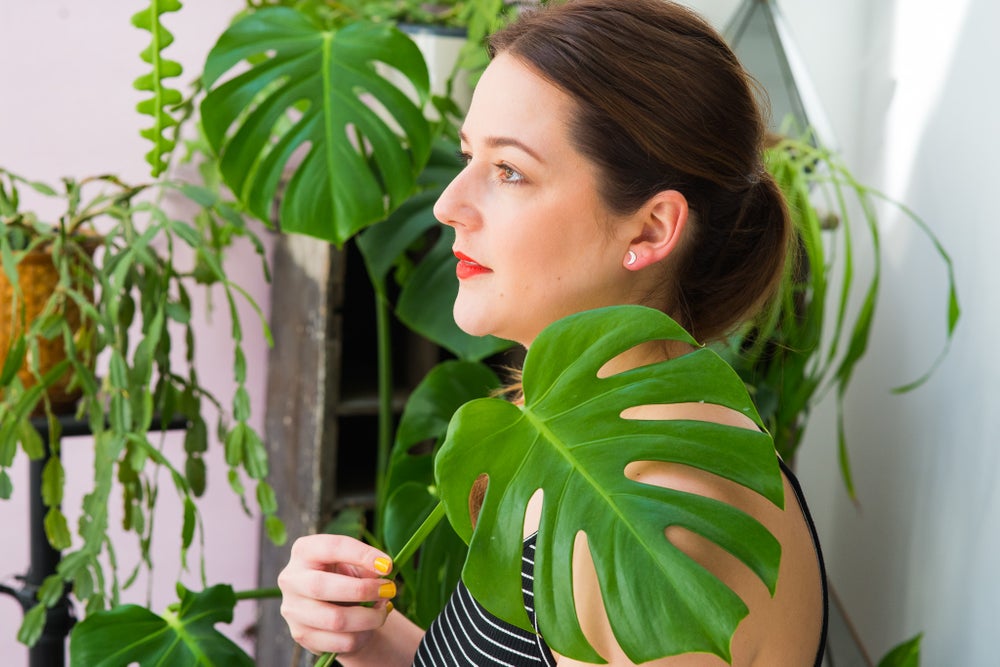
x,y
334,587
327,579
323,627
325,617
352,556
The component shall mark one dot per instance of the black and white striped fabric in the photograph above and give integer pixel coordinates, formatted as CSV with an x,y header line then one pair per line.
x,y
466,635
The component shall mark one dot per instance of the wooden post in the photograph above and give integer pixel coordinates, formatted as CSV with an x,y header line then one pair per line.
x,y
300,424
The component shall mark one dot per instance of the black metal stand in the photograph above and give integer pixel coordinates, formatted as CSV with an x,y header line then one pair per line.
x,y
50,650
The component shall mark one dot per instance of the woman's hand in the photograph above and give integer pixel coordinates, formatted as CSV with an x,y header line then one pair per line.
x,y
327,579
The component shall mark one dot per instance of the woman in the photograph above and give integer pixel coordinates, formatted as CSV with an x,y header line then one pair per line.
x,y
613,156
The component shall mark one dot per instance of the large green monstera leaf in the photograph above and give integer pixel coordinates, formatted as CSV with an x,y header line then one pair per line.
x,y
569,440
320,92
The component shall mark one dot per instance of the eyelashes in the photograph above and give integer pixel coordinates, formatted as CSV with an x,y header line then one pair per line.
x,y
504,173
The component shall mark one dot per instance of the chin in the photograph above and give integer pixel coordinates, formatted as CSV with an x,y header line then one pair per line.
x,y
474,324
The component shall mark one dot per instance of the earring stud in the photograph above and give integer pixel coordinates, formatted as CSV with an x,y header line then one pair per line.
x,y
631,258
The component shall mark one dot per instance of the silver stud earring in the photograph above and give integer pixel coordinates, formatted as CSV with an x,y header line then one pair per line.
x,y
631,258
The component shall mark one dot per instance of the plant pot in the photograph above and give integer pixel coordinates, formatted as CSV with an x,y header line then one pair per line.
x,y
39,279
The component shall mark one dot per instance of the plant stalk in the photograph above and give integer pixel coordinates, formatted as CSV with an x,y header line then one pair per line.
x,y
258,594
385,391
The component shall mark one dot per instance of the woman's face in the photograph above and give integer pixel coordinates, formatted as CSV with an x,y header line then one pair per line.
x,y
533,239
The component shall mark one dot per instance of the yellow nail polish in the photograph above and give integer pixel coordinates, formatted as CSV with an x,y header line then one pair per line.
x,y
389,607
383,565
387,590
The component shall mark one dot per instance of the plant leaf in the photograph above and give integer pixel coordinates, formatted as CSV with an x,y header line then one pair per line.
x,y
569,441
31,441
57,529
162,97
906,654
275,529
32,626
129,633
13,360
358,166
53,482
6,486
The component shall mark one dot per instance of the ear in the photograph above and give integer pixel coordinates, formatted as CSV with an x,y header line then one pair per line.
x,y
656,229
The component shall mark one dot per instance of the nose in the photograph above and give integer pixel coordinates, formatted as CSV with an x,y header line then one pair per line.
x,y
455,207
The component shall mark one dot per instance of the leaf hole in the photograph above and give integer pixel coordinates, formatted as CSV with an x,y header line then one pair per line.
x,y
697,411
422,448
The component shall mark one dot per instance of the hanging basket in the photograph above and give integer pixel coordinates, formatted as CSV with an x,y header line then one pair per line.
x,y
38,278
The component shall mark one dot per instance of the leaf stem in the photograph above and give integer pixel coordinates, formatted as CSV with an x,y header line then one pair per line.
x,y
400,559
258,594
385,391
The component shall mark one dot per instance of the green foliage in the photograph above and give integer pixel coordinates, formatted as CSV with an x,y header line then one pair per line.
x,y
794,355
185,635
906,654
162,98
421,431
569,441
355,165
118,260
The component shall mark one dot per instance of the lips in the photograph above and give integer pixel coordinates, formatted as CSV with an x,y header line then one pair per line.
x,y
468,267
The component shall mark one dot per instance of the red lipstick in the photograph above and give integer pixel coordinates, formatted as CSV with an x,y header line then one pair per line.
x,y
468,267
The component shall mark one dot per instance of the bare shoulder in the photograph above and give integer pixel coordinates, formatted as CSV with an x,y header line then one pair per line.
x,y
779,630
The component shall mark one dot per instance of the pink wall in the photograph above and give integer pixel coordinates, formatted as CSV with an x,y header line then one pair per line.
x,y
68,109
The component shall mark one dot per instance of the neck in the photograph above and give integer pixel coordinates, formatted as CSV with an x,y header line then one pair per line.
x,y
644,355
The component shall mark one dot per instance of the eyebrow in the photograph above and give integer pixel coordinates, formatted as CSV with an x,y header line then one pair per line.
x,y
497,142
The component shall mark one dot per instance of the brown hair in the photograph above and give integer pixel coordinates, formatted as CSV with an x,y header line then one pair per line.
x,y
665,105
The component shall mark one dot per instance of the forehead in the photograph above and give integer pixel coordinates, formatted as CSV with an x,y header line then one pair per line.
x,y
512,99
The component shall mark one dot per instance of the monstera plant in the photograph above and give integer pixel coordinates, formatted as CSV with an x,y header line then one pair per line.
x,y
323,86
568,440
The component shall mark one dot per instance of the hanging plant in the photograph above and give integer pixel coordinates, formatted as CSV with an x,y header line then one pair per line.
x,y
795,355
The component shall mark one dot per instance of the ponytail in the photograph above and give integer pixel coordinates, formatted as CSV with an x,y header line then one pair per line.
x,y
734,263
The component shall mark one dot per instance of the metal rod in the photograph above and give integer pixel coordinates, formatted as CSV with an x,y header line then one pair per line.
x,y
50,651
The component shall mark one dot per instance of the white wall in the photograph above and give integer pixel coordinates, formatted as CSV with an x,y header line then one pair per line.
x,y
911,91
919,555
66,72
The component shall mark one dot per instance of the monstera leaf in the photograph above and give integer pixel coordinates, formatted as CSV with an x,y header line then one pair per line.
x,y
320,90
569,440
130,634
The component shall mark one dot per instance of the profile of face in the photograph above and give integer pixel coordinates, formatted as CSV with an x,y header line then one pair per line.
x,y
533,239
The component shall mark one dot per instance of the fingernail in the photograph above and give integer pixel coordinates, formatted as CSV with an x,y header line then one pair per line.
x,y
388,608
387,590
383,565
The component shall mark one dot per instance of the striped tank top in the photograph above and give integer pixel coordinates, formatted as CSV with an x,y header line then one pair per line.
x,y
466,635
